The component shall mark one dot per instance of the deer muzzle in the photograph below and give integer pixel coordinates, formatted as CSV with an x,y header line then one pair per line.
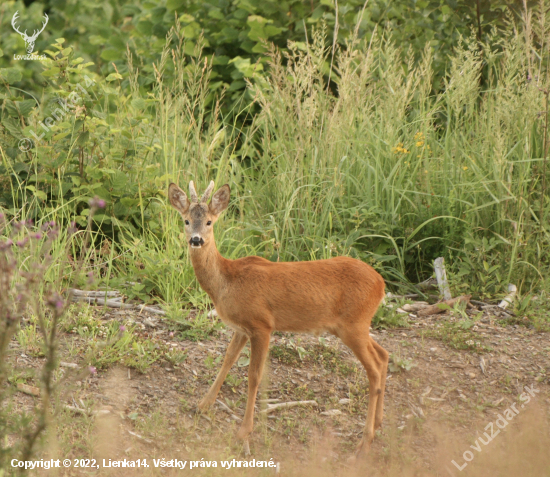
x,y
196,241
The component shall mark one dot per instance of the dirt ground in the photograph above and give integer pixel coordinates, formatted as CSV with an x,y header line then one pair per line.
x,y
435,411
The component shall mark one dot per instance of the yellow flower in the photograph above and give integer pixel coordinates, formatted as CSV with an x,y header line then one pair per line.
x,y
465,168
419,143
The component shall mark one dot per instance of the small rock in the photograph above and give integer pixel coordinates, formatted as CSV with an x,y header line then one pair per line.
x,y
344,401
332,412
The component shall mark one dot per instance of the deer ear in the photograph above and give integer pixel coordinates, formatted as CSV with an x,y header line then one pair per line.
x,y
178,199
220,200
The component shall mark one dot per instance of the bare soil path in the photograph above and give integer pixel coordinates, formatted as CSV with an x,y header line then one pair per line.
x,y
439,401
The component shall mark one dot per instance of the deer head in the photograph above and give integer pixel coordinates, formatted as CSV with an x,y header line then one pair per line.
x,y
29,40
199,216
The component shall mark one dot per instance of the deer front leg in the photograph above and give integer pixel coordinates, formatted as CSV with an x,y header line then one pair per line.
x,y
259,344
233,351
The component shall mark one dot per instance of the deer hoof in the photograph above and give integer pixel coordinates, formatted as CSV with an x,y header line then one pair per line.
x,y
246,448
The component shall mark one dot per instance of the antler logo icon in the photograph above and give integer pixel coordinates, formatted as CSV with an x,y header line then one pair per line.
x,y
29,40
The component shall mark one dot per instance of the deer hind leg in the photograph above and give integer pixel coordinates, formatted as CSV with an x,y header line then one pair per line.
x,y
384,358
259,344
361,344
233,351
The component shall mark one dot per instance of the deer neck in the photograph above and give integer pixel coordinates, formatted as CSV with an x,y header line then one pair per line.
x,y
209,267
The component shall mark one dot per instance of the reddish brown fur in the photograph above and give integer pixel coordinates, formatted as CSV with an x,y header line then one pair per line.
x,y
256,297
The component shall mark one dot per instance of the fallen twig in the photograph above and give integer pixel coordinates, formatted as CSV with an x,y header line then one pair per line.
x,y
482,365
391,296
25,388
287,405
498,309
76,409
140,437
114,300
226,408
435,309
414,307
68,365
102,301
150,309
94,293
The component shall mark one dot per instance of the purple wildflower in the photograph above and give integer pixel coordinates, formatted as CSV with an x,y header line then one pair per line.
x,y
92,369
72,228
122,328
55,301
97,203
37,235
7,244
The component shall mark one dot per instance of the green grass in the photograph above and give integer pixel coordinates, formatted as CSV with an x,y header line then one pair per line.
x,y
458,335
385,170
326,356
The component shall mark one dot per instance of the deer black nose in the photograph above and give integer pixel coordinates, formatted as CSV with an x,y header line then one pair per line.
x,y
196,240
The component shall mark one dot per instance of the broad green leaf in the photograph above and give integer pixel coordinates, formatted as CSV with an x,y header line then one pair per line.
x,y
138,103
25,107
83,138
174,4
61,135
51,72
111,54
118,181
114,76
10,75
13,127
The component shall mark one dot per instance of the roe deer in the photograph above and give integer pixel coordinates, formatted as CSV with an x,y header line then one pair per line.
x,y
256,297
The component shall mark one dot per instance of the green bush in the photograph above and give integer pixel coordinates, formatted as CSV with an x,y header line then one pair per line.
x,y
363,159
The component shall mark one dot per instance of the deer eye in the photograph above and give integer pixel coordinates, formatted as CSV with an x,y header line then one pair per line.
x,y
209,222
187,222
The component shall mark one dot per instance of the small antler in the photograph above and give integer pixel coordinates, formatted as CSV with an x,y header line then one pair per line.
x,y
13,20
207,192
192,192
